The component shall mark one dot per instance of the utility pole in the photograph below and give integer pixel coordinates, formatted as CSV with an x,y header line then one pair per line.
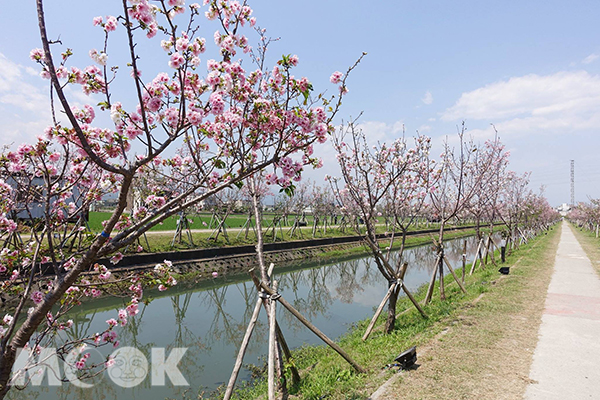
x,y
572,183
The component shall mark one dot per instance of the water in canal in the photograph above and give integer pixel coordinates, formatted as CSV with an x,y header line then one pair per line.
x,y
209,319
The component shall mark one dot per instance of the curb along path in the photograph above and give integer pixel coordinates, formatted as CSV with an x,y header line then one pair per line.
x,y
566,362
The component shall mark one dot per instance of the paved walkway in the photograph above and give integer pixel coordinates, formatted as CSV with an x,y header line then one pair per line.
x,y
566,362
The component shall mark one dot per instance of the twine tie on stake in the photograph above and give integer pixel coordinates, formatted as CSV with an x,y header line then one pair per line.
x,y
274,296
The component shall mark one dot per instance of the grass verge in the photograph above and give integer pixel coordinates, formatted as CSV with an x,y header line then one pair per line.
x,y
590,244
471,351
411,241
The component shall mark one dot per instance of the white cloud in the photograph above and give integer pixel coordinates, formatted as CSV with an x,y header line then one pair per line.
x,y
427,98
24,107
558,103
381,131
424,128
590,59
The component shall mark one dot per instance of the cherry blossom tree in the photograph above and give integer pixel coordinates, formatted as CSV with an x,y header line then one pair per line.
x,y
539,215
322,206
510,206
586,215
368,178
524,212
464,172
201,132
407,194
491,161
486,173
404,201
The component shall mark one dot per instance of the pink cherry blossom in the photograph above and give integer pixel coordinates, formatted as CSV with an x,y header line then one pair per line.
x,y
116,258
111,24
336,77
37,297
176,61
36,54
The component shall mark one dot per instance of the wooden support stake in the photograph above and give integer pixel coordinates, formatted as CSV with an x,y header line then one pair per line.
x,y
412,299
272,345
378,312
487,251
432,282
270,270
454,275
464,262
401,274
281,339
403,269
288,355
476,258
310,326
401,313
242,352
441,271
493,246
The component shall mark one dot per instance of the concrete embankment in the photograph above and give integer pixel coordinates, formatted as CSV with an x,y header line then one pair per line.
x,y
241,258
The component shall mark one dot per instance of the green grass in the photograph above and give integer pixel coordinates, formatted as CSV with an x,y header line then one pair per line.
x,y
198,221
160,237
326,375
162,242
411,241
590,244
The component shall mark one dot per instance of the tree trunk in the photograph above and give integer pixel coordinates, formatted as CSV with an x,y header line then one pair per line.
x,y
391,320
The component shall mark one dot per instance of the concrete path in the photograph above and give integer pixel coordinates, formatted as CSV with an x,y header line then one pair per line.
x,y
566,362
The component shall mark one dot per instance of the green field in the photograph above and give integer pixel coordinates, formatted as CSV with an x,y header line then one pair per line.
x,y
170,224
161,237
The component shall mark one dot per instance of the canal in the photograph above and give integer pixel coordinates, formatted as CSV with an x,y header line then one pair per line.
x,y
209,319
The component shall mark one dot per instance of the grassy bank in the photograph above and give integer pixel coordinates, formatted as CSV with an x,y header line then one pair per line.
x,y
160,237
206,221
196,221
590,244
411,241
326,375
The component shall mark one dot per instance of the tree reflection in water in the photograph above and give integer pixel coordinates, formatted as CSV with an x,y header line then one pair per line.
x,y
347,285
210,318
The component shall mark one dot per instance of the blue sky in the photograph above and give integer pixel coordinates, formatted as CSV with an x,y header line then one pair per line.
x,y
532,68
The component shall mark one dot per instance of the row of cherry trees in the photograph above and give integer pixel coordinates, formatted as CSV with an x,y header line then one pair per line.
x,y
586,215
399,181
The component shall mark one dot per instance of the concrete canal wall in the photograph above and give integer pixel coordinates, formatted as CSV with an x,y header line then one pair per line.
x,y
236,259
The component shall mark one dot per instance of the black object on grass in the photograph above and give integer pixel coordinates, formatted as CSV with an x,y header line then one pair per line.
x,y
504,270
407,358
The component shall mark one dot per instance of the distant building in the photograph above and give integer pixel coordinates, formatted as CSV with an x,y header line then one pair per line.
x,y
563,209
31,195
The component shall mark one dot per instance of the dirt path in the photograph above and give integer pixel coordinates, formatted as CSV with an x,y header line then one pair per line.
x,y
486,353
